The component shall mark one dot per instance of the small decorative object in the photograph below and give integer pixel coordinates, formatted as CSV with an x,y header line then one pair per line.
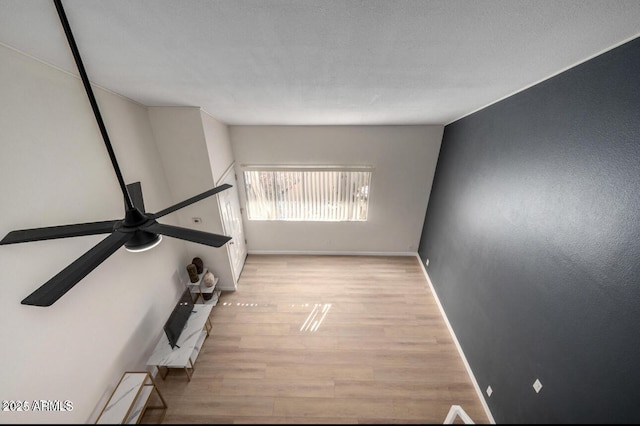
x,y
209,279
199,265
207,296
193,273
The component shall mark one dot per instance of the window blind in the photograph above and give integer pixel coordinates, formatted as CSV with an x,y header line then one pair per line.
x,y
307,195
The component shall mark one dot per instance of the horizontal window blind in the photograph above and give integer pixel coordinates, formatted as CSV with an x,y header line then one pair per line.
x,y
307,195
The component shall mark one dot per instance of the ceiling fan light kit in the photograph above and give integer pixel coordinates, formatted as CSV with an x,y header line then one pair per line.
x,y
142,241
138,231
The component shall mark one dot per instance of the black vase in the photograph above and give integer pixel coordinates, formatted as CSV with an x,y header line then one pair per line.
x,y
193,273
199,264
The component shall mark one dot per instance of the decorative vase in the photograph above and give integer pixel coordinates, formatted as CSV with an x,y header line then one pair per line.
x,y
193,273
209,279
199,264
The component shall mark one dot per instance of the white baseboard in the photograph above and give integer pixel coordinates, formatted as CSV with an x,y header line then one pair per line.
x,y
455,341
333,253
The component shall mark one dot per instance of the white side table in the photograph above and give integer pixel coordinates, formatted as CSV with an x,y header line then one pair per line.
x,y
199,289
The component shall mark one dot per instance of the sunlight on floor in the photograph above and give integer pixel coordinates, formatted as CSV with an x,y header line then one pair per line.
x,y
311,324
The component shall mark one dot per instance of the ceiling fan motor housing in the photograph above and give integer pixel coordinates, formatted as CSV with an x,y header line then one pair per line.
x,y
133,221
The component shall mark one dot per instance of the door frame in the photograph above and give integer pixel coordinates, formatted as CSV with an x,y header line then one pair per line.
x,y
225,175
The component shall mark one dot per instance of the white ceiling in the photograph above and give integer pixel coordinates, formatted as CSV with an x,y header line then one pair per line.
x,y
322,61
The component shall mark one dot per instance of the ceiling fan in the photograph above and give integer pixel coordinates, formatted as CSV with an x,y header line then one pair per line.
x,y
138,231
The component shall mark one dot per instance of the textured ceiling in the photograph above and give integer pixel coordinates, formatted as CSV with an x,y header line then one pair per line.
x,y
323,61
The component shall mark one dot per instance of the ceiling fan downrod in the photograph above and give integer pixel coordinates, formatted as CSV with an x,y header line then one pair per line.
x,y
92,100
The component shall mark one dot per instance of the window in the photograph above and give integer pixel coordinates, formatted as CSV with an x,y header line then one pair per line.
x,y
309,194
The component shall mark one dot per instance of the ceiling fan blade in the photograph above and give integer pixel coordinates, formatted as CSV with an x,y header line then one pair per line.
x,y
192,200
57,286
63,231
135,191
192,235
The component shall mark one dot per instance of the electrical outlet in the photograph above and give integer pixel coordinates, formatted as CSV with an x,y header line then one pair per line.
x,y
426,262
537,386
489,391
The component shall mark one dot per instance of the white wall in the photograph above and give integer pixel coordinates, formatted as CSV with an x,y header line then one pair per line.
x,y
218,144
195,150
54,170
404,158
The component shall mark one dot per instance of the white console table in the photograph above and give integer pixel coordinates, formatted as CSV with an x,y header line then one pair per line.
x,y
188,347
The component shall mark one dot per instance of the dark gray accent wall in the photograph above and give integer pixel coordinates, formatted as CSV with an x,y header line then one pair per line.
x,y
533,240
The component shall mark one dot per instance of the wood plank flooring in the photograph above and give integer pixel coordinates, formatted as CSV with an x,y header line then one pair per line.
x,y
376,351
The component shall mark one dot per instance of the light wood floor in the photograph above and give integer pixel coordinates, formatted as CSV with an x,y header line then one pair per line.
x,y
381,354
